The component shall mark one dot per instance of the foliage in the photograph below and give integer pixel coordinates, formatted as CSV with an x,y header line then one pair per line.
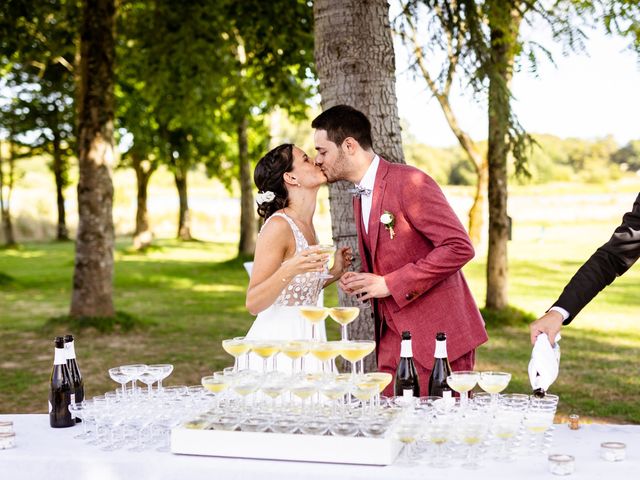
x,y
552,159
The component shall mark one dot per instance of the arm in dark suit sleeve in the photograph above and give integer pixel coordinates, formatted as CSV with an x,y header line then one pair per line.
x,y
429,212
608,262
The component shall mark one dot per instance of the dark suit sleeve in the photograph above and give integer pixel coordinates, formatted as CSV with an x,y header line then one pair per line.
x,y
608,262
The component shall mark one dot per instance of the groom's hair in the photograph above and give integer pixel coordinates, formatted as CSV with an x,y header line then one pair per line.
x,y
343,121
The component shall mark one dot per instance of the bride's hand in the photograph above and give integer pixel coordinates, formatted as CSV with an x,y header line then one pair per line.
x,y
342,261
308,260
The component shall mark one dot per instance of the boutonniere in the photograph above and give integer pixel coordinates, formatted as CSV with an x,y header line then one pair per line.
x,y
388,220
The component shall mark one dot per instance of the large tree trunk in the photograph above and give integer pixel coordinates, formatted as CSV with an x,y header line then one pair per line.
x,y
184,217
93,273
59,170
142,236
356,66
504,25
6,185
248,223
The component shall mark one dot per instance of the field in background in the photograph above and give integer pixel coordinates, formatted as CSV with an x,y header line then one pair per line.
x,y
191,296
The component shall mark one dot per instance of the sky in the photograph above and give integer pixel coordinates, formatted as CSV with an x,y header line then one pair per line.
x,y
585,96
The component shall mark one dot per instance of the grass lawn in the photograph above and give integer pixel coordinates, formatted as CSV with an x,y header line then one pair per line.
x,y
190,296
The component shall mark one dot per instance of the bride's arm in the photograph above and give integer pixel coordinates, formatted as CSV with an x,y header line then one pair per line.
x,y
271,272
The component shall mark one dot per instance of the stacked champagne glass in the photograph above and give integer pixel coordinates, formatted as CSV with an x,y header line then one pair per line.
x,y
134,417
443,432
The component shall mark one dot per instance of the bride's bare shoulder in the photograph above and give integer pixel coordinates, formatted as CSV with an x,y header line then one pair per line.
x,y
276,227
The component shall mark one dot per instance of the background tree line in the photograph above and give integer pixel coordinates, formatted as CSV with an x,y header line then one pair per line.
x,y
182,84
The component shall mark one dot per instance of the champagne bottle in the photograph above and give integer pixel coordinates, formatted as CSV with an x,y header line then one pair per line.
x,y
77,381
407,383
438,386
60,389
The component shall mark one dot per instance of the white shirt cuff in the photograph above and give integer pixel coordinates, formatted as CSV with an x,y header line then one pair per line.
x,y
561,311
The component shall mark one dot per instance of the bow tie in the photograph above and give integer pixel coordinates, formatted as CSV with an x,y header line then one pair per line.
x,y
359,191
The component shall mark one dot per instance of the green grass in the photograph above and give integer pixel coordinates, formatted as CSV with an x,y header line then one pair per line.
x,y
182,299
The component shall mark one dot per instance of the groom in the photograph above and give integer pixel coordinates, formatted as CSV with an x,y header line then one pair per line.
x,y
412,247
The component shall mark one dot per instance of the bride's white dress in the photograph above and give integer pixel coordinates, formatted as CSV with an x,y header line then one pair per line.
x,y
282,320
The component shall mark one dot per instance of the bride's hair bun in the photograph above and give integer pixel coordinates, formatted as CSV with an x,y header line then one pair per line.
x,y
269,177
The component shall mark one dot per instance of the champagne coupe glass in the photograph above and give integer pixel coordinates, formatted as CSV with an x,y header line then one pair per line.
x,y
505,427
462,382
355,350
407,432
439,433
236,347
304,389
326,352
134,371
326,249
119,376
295,349
78,410
334,391
471,432
215,384
245,386
537,420
166,368
274,387
365,391
150,376
314,315
494,383
382,379
344,316
265,350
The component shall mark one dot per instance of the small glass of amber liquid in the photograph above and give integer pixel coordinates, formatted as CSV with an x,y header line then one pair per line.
x,y
574,421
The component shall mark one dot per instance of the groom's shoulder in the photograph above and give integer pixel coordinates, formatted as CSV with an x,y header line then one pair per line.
x,y
408,172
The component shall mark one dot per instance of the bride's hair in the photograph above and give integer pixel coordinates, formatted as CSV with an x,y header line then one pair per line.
x,y
269,177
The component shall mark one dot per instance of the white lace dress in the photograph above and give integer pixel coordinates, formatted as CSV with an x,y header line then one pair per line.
x,y
282,320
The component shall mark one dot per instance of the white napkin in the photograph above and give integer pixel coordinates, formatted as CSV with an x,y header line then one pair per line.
x,y
545,362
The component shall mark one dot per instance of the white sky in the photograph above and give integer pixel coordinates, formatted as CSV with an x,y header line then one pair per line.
x,y
585,97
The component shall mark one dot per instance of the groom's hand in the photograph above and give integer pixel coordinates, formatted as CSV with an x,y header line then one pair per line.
x,y
364,285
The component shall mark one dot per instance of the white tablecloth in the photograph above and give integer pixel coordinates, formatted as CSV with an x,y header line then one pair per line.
x,y
45,453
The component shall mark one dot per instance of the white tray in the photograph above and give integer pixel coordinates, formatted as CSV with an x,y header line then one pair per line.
x,y
283,446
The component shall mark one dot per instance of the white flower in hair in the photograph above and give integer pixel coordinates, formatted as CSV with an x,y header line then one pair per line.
x,y
263,197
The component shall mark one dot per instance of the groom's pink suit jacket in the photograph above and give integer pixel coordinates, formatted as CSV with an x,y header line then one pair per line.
x,y
421,266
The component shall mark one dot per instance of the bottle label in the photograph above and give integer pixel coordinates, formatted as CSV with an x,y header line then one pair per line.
x,y
60,357
441,349
405,349
70,350
73,402
407,393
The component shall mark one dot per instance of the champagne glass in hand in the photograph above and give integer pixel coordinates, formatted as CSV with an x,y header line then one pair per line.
x,y
326,249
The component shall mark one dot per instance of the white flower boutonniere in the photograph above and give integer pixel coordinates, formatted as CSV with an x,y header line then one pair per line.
x,y
388,220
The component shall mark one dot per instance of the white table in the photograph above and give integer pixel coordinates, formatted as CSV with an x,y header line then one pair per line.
x,y
51,454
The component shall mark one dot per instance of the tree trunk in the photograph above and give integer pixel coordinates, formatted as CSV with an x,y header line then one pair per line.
x,y
248,223
476,212
504,24
59,168
356,66
184,217
5,203
92,294
142,236
480,165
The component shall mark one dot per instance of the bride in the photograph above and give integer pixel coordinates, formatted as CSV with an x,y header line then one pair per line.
x,y
287,263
